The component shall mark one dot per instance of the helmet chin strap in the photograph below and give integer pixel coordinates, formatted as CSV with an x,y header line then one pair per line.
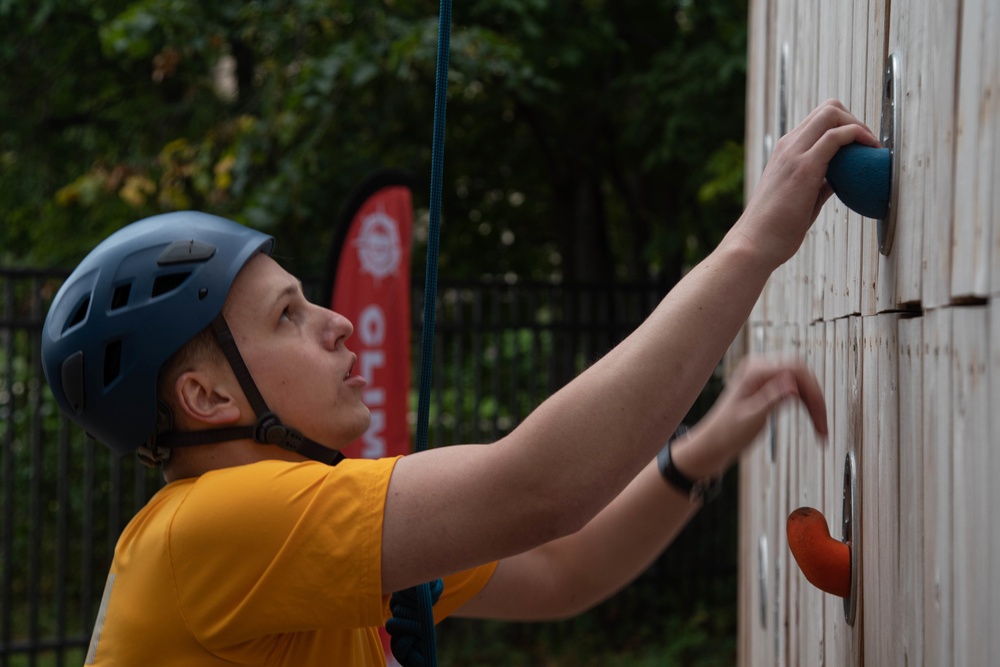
x,y
267,430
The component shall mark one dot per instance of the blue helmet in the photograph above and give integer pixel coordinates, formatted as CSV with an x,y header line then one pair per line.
x,y
135,300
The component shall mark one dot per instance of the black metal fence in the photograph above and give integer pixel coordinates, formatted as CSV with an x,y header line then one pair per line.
x,y
500,350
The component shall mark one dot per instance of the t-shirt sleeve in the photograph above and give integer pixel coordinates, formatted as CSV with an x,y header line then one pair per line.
x,y
461,587
272,547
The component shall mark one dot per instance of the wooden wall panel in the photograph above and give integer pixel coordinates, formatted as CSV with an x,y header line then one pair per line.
x,y
811,480
781,25
761,578
821,269
843,395
867,459
751,621
993,501
906,348
779,503
994,87
934,64
757,542
759,108
911,479
790,633
833,451
753,468
860,230
802,99
757,94
855,423
977,127
973,519
873,27
850,428
886,627
900,272
936,420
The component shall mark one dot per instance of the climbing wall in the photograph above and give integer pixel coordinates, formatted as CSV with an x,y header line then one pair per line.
x,y
906,345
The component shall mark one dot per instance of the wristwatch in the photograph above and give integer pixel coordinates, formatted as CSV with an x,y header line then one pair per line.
x,y
703,489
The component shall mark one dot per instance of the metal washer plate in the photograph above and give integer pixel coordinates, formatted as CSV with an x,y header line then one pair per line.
x,y
852,533
889,136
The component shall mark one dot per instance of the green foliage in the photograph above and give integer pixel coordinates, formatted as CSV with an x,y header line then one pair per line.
x,y
588,140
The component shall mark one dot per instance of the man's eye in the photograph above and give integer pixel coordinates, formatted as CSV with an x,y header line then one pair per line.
x,y
285,315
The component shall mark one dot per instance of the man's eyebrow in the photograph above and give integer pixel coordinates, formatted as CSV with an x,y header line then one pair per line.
x,y
291,289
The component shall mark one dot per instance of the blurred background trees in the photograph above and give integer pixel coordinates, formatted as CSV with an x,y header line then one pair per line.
x,y
587,140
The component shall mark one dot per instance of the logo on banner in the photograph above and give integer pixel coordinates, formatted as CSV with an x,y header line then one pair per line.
x,y
379,248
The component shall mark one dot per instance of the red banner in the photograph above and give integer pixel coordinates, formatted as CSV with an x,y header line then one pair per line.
x,y
369,283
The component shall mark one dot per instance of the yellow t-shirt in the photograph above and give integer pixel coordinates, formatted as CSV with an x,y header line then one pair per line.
x,y
271,563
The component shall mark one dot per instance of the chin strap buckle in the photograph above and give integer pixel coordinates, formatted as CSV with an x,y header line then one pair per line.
x,y
270,431
148,453
152,456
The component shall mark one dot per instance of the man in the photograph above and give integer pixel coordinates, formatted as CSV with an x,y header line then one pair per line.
x,y
180,338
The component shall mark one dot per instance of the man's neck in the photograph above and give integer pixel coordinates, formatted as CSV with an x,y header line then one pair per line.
x,y
187,462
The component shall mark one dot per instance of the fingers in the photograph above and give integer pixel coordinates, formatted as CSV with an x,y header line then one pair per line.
x,y
811,395
774,392
834,139
833,126
769,383
830,113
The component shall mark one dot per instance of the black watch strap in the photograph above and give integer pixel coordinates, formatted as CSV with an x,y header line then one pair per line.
x,y
695,489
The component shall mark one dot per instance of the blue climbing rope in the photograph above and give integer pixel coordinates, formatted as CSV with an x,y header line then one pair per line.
x,y
412,625
408,626
434,225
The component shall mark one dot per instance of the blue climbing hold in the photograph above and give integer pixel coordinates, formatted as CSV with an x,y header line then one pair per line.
x,y
860,177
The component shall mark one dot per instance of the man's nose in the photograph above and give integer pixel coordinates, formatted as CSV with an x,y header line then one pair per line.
x,y
336,329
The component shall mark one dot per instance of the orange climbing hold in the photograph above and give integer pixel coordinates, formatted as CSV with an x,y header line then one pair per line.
x,y
824,561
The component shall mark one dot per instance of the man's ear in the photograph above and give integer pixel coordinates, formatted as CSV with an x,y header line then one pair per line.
x,y
202,398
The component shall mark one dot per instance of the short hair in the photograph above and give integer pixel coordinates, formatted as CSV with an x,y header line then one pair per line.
x,y
202,348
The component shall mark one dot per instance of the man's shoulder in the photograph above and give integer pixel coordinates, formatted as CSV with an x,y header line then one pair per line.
x,y
273,493
273,474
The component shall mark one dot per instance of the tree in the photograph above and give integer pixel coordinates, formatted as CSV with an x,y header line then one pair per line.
x,y
586,140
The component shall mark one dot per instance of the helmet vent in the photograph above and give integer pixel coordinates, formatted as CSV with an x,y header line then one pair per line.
x,y
79,315
112,361
120,298
168,283
72,380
